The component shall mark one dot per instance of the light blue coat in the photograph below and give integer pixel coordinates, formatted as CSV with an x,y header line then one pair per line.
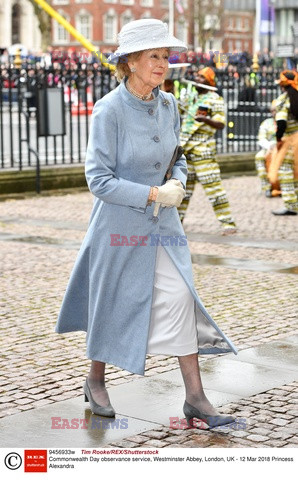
x,y
109,294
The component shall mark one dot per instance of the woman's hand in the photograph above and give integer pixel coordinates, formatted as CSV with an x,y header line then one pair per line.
x,y
171,194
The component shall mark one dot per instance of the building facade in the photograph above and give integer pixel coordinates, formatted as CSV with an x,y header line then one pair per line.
x,y
101,20
18,24
286,24
238,26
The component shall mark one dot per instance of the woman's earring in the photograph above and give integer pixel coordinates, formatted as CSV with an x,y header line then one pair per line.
x,y
133,69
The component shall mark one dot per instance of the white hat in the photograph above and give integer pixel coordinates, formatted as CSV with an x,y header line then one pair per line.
x,y
145,34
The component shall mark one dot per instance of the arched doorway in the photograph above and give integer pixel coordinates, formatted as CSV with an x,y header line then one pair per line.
x,y
16,23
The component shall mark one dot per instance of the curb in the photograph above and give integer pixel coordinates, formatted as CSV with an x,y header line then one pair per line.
x,y
68,177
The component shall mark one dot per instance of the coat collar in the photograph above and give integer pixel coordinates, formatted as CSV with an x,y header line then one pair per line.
x,y
135,102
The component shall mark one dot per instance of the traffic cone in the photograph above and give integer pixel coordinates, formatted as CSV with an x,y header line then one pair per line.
x,y
89,101
80,108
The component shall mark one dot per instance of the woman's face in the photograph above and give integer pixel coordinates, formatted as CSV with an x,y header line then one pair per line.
x,y
151,67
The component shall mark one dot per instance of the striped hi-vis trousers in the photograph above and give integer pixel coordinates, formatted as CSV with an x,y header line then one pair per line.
x,y
207,172
260,162
288,184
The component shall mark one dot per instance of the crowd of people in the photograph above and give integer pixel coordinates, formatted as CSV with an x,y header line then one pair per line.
x,y
233,61
205,112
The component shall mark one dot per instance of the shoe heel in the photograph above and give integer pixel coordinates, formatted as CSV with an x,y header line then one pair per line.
x,y
189,421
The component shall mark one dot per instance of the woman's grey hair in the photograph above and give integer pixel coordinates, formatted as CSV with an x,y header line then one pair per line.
x,y
122,68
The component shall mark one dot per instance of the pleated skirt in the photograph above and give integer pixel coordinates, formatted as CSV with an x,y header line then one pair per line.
x,y
172,328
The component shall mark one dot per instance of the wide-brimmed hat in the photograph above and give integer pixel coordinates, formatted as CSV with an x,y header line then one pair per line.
x,y
145,34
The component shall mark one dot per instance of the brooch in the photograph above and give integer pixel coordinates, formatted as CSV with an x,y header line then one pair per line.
x,y
166,103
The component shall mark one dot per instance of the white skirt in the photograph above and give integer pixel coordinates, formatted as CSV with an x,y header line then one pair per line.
x,y
173,322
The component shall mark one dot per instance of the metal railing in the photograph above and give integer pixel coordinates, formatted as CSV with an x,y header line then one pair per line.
x,y
82,87
247,100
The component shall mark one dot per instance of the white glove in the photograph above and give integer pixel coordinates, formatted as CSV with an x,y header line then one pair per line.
x,y
170,194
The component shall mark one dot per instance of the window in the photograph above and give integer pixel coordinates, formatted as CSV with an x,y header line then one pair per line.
x,y
84,24
61,36
146,14
127,2
126,17
60,2
246,24
238,44
110,27
238,23
83,1
181,31
230,25
147,3
212,22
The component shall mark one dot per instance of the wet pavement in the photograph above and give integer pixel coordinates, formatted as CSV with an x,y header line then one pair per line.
x,y
247,281
154,402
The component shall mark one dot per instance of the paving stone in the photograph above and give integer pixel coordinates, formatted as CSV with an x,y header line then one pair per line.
x,y
257,438
174,440
53,367
294,439
138,439
156,435
277,443
22,401
41,403
155,443
261,431
6,399
176,445
125,444
240,434
279,421
280,434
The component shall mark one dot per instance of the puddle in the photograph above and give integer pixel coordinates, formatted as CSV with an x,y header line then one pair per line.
x,y
270,244
199,259
244,264
37,239
40,240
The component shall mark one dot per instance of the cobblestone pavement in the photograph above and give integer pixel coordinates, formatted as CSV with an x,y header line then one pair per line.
x,y
251,302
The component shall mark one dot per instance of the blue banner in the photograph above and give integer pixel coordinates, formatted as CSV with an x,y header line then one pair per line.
x,y
267,17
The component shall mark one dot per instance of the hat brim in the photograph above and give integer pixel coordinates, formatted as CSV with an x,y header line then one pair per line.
x,y
173,44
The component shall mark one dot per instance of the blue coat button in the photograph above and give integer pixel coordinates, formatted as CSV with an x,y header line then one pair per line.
x,y
156,138
150,111
157,165
155,219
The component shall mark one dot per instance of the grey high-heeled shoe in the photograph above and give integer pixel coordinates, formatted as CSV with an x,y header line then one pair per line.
x,y
212,421
95,407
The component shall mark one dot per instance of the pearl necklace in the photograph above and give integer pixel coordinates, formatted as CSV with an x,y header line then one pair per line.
x,y
138,95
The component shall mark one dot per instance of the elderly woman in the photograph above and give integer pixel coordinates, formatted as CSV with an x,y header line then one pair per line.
x,y
131,288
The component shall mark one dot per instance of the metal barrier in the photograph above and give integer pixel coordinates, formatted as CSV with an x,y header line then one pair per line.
x,y
19,91
246,106
248,97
